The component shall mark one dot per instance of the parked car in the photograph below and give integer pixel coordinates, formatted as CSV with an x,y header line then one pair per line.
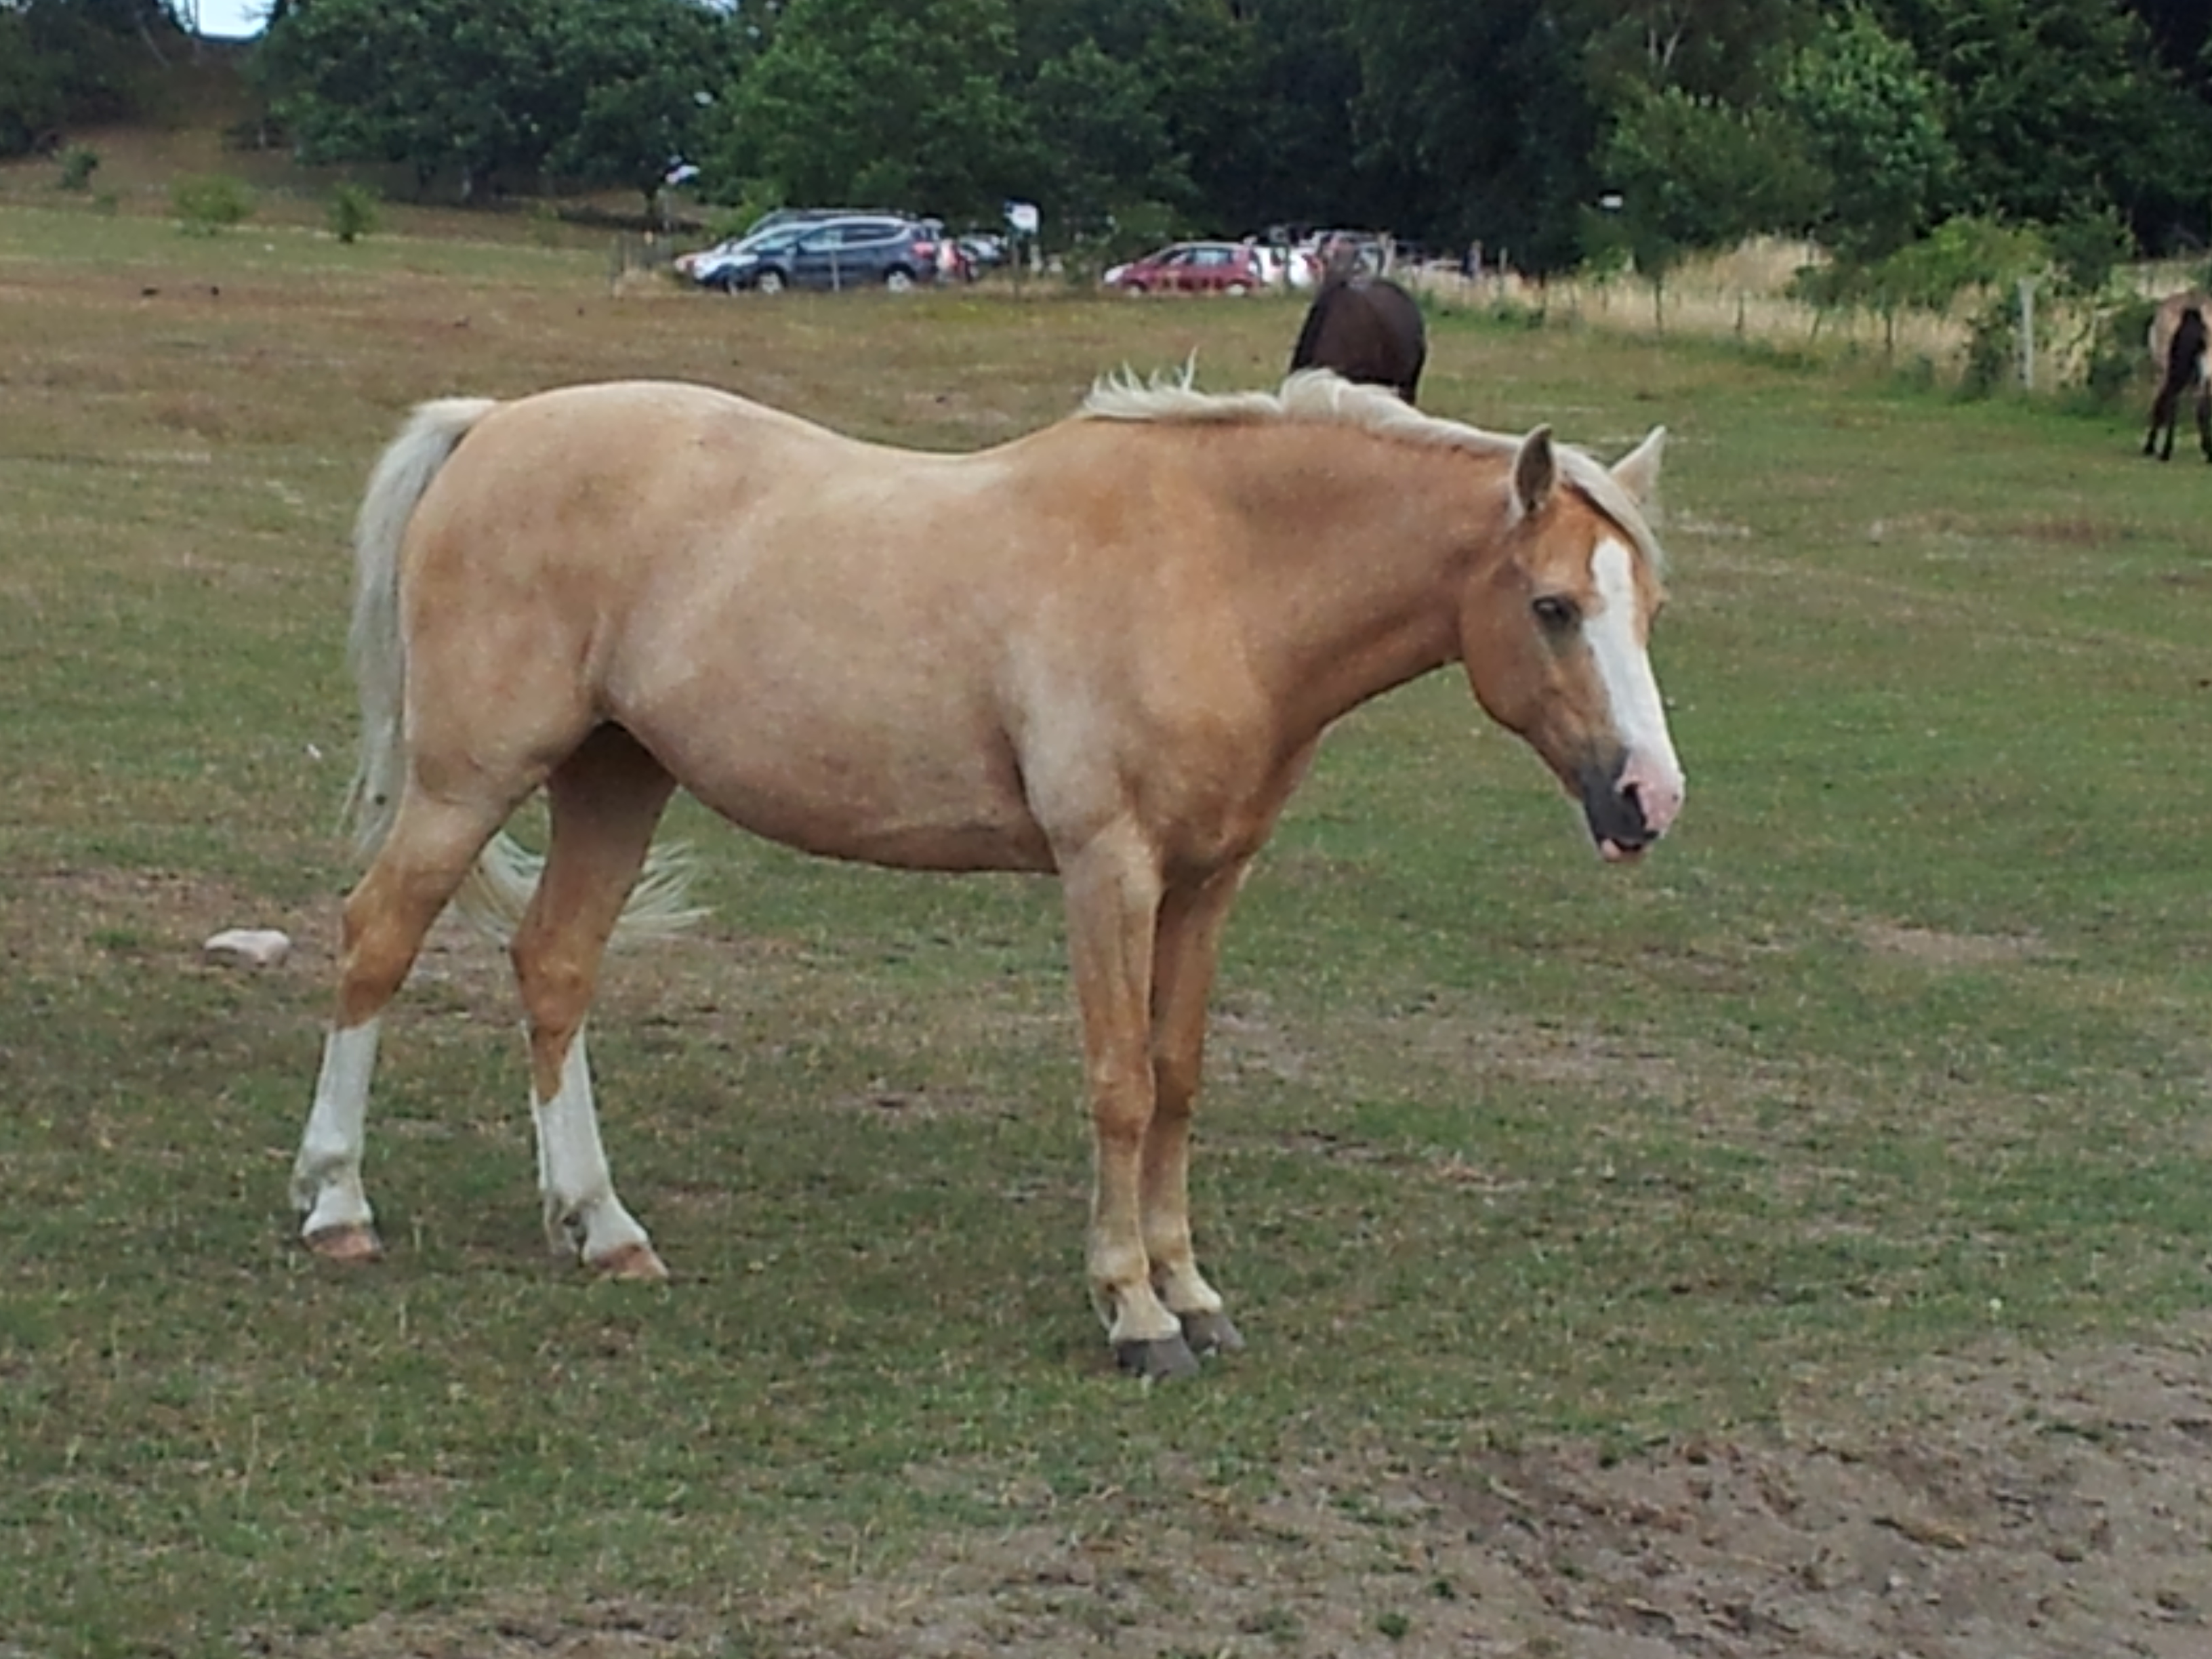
x,y
876,251
983,250
789,215
1283,266
1361,252
1192,268
699,260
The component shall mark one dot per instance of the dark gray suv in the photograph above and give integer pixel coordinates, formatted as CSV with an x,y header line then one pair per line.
x,y
871,251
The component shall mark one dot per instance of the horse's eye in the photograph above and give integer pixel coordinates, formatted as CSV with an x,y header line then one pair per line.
x,y
1555,612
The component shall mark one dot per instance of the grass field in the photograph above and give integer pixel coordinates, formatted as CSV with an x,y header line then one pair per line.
x,y
1893,1058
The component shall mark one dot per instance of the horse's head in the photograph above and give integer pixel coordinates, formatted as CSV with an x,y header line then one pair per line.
x,y
1554,636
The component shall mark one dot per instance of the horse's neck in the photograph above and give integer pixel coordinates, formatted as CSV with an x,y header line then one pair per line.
x,y
1356,563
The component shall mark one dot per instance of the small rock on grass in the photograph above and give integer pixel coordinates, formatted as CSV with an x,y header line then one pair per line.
x,y
248,947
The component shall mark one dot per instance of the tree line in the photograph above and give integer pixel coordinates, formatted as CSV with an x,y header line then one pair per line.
x,y
1552,131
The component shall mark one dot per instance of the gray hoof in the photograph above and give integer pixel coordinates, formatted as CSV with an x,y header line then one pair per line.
x,y
1212,1333
1157,1360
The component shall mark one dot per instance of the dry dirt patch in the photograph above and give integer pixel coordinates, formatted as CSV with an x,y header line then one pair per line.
x,y
2007,1506
1940,949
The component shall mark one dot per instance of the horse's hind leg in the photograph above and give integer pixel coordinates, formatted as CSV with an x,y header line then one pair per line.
x,y
605,801
2203,418
2161,416
430,849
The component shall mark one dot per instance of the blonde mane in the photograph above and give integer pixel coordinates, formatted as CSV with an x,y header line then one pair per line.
x,y
1322,395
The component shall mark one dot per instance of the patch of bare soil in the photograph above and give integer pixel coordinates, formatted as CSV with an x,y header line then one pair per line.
x,y
1944,950
2007,1507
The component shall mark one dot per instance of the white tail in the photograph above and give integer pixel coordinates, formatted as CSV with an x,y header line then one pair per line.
x,y
498,890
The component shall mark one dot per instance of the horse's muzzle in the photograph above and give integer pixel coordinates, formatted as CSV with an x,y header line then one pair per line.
x,y
1627,806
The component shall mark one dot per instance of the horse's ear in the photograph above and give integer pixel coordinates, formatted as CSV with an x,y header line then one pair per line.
x,y
1535,471
1638,471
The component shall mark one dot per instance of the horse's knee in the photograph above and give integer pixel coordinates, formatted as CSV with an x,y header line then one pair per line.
x,y
552,982
556,990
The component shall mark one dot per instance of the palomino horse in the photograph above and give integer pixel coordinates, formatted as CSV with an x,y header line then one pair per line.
x,y
1105,650
1365,328
2179,331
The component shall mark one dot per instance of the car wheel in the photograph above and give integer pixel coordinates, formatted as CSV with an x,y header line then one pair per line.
x,y
770,282
899,281
1134,290
1237,290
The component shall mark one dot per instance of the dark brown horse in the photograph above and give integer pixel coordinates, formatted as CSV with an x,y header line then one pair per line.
x,y
2178,337
1365,328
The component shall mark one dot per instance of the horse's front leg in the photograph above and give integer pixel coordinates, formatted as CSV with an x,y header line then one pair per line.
x,y
1112,888
1184,959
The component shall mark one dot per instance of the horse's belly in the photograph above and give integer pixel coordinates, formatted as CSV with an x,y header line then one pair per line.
x,y
897,815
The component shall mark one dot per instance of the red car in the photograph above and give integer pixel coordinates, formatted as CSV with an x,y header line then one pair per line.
x,y
1192,268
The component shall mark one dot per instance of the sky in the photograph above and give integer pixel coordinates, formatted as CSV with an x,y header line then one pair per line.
x,y
231,20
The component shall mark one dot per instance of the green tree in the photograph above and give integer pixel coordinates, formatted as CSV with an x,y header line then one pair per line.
x,y
486,89
1226,115
1489,118
1691,172
2057,108
435,85
1111,150
1307,163
33,87
893,103
642,75
1202,61
1873,123
1475,118
1723,49
76,60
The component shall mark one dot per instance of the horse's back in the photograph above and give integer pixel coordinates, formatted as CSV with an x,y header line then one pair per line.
x,y
630,429
615,480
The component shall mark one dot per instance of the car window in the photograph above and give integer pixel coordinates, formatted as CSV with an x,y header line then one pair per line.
x,y
1211,257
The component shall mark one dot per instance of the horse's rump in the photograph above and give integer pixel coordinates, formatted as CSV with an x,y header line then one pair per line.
x,y
1367,329
2180,336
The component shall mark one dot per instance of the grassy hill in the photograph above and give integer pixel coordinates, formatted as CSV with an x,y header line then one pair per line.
x,y
202,117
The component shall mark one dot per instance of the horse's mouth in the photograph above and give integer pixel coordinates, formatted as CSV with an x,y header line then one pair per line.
x,y
1615,816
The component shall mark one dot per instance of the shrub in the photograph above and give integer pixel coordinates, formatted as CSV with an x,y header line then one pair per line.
x,y
210,202
352,212
1992,347
2116,362
78,163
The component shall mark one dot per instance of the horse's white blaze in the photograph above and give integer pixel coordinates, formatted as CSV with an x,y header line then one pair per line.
x,y
1625,667
326,1175
581,1210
